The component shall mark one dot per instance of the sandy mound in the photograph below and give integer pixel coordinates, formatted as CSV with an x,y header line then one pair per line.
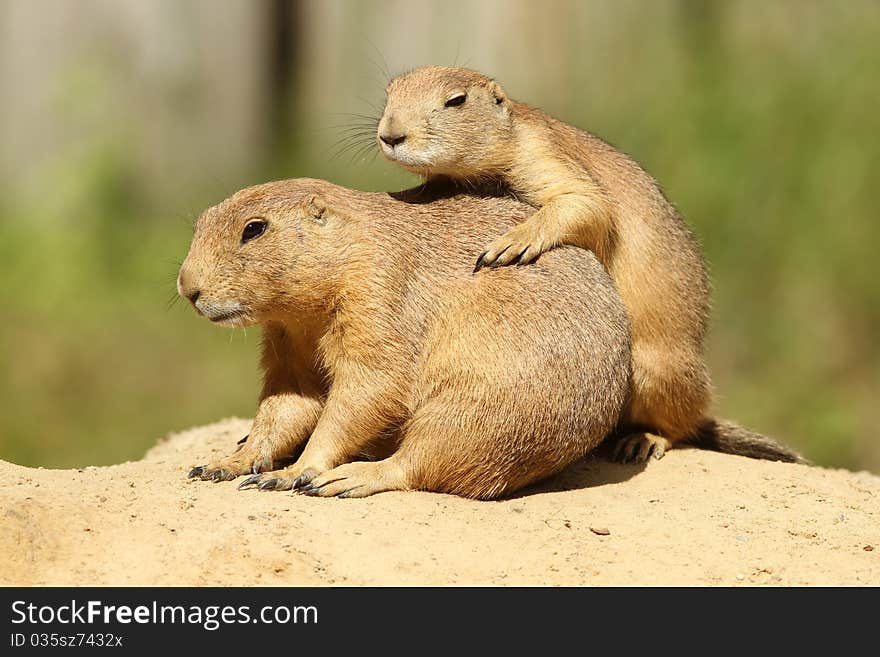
x,y
694,517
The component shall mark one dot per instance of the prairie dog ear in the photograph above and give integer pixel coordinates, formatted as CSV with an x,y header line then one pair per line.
x,y
316,208
496,92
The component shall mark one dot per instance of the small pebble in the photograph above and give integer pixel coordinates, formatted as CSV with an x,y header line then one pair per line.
x,y
601,531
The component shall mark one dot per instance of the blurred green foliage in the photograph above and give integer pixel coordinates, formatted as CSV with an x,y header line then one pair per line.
x,y
763,135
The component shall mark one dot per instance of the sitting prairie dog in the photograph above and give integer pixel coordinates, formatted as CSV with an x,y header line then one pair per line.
x,y
378,337
460,124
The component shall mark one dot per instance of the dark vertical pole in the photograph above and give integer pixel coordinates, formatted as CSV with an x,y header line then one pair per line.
x,y
284,18
701,22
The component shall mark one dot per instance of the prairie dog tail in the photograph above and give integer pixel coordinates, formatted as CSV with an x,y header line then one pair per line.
x,y
729,438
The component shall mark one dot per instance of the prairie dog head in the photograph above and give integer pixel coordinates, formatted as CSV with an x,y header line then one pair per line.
x,y
441,121
258,255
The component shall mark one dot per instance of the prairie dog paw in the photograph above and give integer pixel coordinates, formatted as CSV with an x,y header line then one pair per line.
x,y
520,245
243,461
638,447
294,477
359,479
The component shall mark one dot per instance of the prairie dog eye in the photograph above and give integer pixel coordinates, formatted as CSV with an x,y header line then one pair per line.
x,y
253,230
456,100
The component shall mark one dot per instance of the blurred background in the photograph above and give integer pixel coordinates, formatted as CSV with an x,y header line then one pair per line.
x,y
120,120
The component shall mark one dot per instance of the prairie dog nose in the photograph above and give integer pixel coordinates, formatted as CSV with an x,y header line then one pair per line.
x,y
392,139
185,286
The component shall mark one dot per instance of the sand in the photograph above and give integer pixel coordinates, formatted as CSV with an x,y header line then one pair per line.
x,y
692,518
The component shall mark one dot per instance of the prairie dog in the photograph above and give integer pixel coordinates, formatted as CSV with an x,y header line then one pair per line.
x,y
460,124
378,337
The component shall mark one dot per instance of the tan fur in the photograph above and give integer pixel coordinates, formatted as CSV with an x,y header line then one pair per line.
x,y
378,337
589,195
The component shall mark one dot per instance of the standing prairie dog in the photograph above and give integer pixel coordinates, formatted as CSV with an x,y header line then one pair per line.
x,y
378,338
460,124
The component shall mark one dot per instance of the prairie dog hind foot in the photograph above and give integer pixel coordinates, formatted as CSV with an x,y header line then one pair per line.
x,y
357,479
292,477
639,447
